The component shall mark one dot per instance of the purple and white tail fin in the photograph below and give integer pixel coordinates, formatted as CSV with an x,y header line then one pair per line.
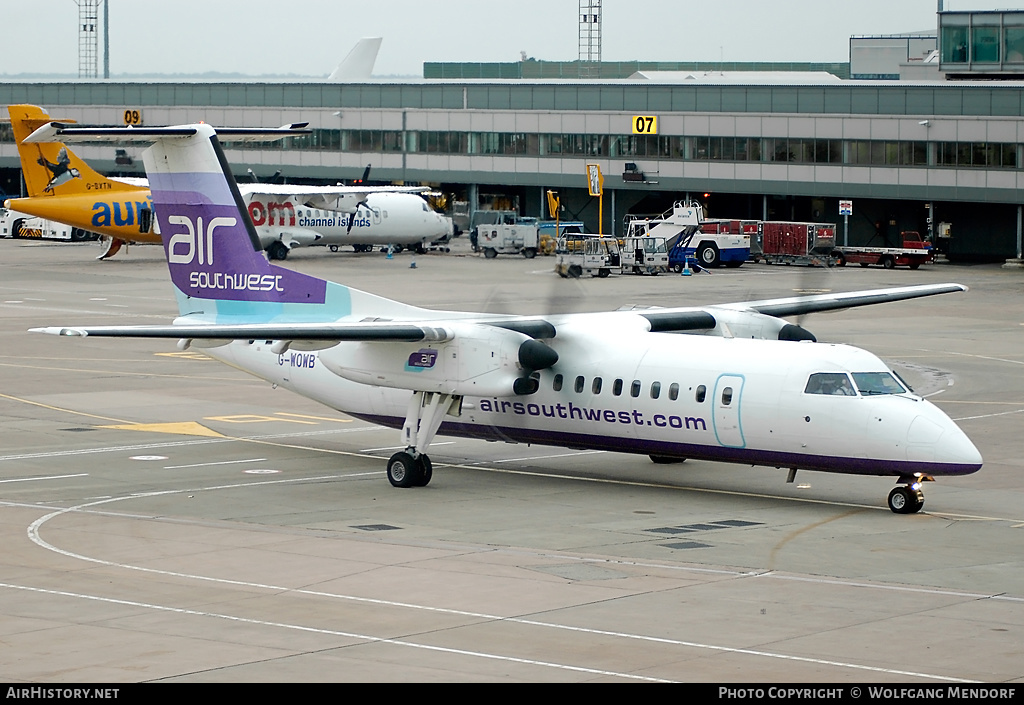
x,y
217,265
213,252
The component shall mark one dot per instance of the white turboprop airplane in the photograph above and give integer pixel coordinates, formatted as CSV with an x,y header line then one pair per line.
x,y
296,216
754,389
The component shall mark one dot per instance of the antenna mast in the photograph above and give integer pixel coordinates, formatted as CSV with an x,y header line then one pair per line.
x,y
590,39
88,38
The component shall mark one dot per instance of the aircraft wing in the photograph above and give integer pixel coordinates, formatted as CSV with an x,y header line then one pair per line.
x,y
437,330
325,192
369,332
344,199
799,305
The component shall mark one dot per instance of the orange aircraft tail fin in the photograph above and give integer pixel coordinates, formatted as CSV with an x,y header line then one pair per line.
x,y
50,168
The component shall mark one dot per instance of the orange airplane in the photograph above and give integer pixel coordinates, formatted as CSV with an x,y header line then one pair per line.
x,y
63,188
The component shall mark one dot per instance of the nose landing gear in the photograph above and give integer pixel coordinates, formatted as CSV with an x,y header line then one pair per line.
x,y
907,497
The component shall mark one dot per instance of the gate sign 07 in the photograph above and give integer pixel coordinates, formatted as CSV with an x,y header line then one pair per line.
x,y
645,124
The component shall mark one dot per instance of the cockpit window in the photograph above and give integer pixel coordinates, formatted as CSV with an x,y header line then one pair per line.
x,y
833,383
870,383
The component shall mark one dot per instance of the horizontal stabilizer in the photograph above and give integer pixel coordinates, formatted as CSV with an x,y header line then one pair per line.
x,y
61,132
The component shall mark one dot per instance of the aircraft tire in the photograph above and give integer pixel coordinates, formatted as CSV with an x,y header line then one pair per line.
x,y
426,471
277,250
403,470
904,500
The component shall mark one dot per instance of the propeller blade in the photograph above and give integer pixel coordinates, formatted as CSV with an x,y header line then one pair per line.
x,y
353,214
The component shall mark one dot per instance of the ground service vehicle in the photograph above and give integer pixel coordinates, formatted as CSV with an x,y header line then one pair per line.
x,y
731,238
781,242
519,238
643,255
578,254
15,224
913,254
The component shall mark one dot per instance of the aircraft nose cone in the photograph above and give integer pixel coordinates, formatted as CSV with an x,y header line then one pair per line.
x,y
954,448
934,437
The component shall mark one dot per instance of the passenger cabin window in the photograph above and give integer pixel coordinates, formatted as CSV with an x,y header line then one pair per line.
x,y
579,384
673,391
655,390
830,383
596,386
556,383
634,389
701,394
873,383
727,396
617,387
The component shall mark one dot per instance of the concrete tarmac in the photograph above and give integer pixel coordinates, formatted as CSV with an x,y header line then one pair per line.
x,y
168,518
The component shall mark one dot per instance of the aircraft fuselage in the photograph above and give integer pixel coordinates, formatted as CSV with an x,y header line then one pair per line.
x,y
681,396
386,219
111,213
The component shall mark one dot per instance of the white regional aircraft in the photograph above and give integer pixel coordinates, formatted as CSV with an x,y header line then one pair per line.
x,y
361,216
754,389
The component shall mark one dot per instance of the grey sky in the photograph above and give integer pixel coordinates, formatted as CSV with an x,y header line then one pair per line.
x,y
262,37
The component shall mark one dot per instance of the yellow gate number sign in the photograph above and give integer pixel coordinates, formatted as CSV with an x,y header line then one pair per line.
x,y
132,117
645,124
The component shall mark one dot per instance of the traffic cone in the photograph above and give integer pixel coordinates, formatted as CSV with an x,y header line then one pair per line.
x,y
686,268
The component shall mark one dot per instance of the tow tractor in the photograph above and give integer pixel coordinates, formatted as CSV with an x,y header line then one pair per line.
x,y
913,254
577,254
643,255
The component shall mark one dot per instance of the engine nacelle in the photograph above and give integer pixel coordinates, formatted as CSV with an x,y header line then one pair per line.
x,y
479,360
749,324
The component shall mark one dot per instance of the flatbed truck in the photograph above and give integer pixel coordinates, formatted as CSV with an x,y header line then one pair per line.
x,y
913,254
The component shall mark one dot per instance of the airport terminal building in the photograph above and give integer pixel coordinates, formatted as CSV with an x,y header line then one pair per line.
x,y
771,146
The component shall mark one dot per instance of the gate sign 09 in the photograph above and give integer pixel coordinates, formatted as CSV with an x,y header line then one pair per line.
x,y
645,124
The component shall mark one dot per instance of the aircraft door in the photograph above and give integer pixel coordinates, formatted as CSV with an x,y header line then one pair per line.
x,y
727,418
375,215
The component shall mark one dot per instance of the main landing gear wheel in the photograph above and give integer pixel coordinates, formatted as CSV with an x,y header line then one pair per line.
x,y
404,471
905,500
277,250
